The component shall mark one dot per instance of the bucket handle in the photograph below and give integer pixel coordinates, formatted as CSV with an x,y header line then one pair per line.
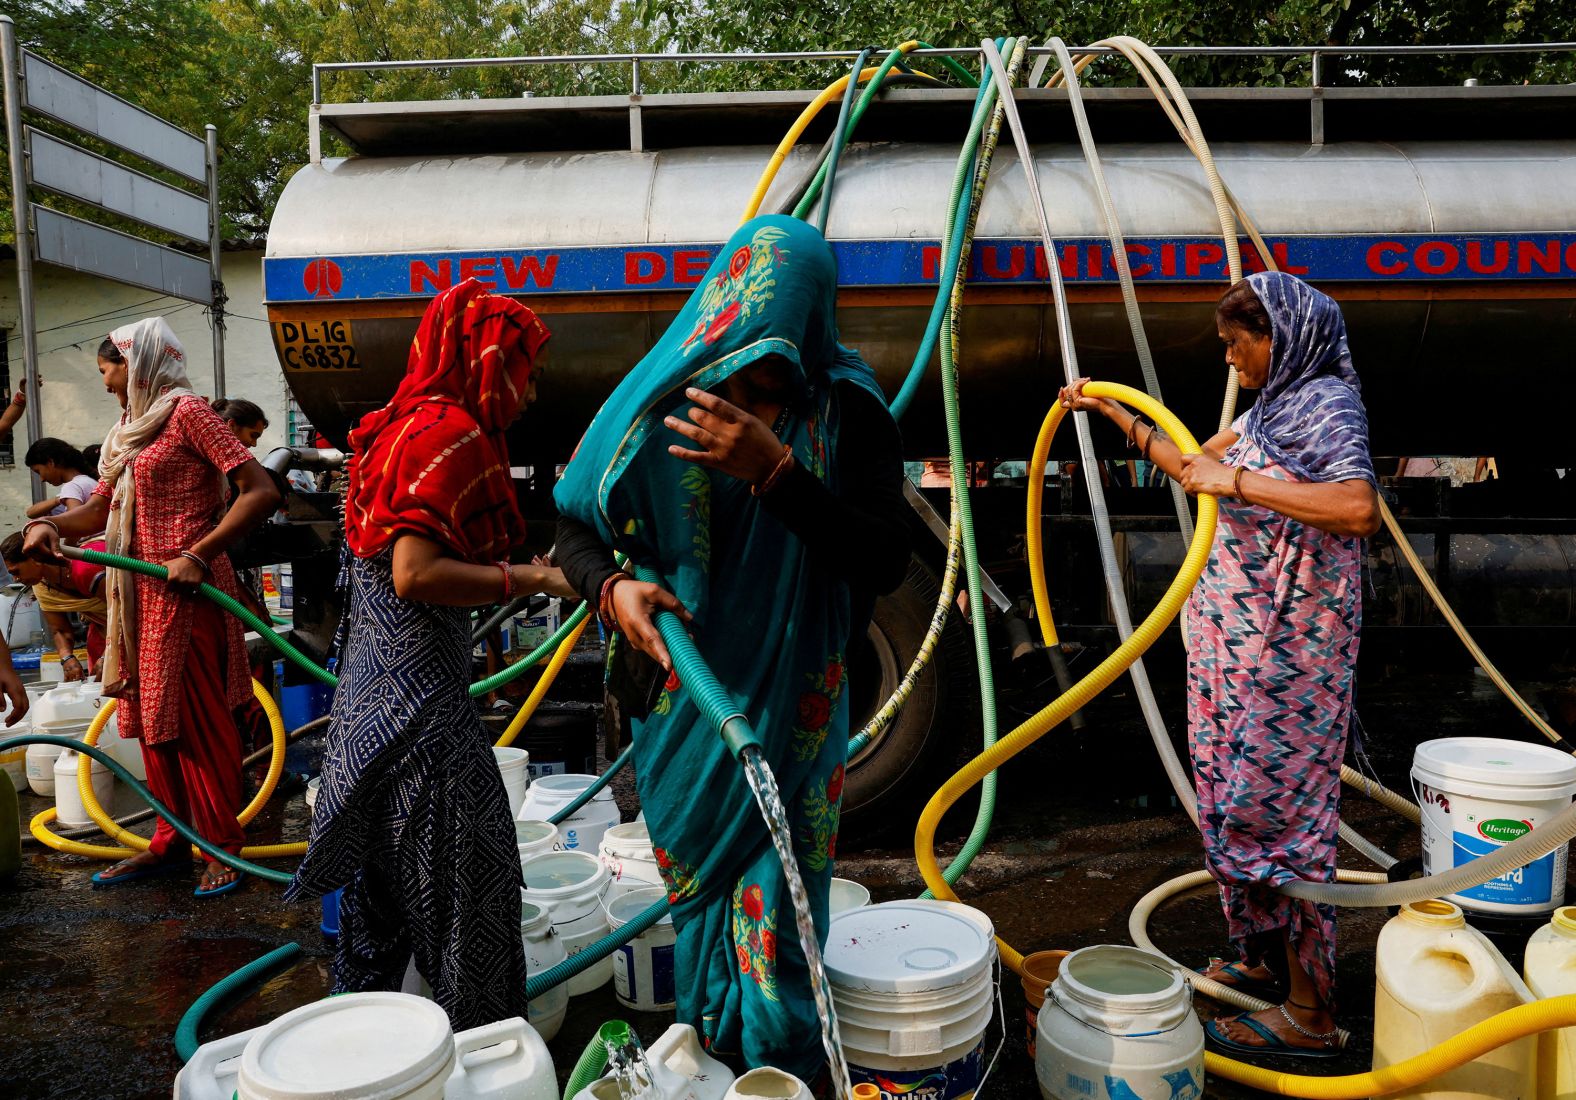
x,y
489,1043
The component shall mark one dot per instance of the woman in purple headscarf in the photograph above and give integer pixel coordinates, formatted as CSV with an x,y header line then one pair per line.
x,y
1272,644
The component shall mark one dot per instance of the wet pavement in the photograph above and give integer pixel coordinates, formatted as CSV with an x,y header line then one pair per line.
x,y
94,982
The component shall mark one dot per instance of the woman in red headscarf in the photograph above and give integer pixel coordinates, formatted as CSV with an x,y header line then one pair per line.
x,y
411,819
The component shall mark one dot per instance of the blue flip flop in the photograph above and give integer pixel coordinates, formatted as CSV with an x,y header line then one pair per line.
x,y
1241,982
233,884
1273,1043
154,870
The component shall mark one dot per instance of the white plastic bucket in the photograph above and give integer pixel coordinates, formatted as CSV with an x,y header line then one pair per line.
x,y
846,894
534,838
630,859
512,764
41,758
1478,794
14,761
544,949
69,810
127,751
313,785
643,968
1118,1021
374,1046
570,885
584,830
914,990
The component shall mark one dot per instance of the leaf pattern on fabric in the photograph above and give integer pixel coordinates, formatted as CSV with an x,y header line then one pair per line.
x,y
755,937
697,509
679,877
817,705
740,290
822,810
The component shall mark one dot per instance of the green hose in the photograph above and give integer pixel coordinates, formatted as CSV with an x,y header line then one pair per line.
x,y
212,851
595,951
322,675
845,130
186,1040
594,1059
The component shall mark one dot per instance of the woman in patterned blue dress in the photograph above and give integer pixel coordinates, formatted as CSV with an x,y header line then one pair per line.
x,y
412,819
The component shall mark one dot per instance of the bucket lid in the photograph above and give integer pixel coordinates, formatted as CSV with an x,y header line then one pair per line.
x,y
631,903
905,947
1496,760
364,1045
554,875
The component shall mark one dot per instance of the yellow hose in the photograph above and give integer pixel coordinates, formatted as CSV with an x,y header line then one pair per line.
x,y
791,138
39,826
1092,684
1474,1042
539,692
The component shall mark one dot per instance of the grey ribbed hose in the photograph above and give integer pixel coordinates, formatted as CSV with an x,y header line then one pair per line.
x,y
1097,506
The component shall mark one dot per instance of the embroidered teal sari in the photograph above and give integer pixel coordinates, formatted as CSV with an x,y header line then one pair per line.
x,y
772,624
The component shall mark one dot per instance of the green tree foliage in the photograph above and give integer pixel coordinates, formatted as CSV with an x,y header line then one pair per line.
x,y
245,65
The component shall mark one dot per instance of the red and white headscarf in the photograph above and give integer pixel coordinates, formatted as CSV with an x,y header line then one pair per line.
x,y
155,381
433,461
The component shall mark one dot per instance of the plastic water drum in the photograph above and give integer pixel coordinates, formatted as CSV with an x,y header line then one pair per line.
x,y
643,968
582,831
630,859
570,885
1478,794
374,1046
914,991
41,758
1118,1021
14,761
533,838
512,764
69,810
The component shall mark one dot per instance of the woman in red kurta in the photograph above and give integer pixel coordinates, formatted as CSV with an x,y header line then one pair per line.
x,y
174,660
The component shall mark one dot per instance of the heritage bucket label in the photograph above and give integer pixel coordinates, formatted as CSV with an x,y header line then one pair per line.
x,y
1529,885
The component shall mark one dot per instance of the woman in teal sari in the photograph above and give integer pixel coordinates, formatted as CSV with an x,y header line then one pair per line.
x,y
772,508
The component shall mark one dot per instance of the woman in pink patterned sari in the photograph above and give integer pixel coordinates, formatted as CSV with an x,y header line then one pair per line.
x,y
1273,629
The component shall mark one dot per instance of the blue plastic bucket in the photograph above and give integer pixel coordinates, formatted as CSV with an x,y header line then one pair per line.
x,y
330,923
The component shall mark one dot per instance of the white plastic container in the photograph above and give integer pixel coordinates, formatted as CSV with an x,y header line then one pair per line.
x,y
1435,977
67,703
570,885
313,785
375,1046
534,838
1550,971
627,851
512,764
543,951
767,1083
211,1073
681,1066
69,810
585,829
914,992
41,759
1478,794
505,1060
642,968
846,894
20,618
127,751
14,761
1118,1021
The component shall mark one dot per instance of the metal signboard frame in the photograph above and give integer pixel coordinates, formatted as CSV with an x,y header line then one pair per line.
x,y
50,163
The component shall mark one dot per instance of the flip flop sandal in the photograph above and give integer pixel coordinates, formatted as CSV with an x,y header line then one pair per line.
x,y
1232,976
151,870
215,891
1273,1044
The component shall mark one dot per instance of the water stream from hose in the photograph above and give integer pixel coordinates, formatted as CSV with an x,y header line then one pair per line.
x,y
764,784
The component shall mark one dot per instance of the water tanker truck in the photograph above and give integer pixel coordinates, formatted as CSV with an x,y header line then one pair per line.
x,y
1442,219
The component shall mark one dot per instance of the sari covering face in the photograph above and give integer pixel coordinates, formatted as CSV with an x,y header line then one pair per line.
x,y
772,623
433,461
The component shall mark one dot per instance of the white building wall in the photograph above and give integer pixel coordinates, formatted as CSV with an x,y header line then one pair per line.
x,y
75,312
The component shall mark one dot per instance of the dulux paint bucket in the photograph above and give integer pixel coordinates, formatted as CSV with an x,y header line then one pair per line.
x,y
643,967
1478,794
1118,1022
914,988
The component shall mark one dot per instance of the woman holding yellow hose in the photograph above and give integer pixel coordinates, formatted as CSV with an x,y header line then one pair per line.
x,y
1273,629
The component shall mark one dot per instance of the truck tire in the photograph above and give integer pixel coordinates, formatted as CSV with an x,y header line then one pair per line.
x,y
890,781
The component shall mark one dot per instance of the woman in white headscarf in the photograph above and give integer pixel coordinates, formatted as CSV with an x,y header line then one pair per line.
x,y
175,661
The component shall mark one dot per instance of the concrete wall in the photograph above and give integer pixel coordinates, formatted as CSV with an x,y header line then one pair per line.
x,y
75,312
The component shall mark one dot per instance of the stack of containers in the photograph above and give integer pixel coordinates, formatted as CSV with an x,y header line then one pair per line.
x,y
570,886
